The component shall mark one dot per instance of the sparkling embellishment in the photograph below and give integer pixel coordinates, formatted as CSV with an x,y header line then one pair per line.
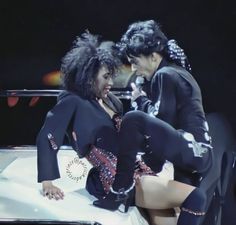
x,y
206,125
198,148
177,54
117,121
195,213
142,169
147,136
122,191
207,137
105,162
52,141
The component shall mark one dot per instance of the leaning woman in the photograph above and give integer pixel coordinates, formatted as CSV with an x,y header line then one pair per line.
x,y
87,112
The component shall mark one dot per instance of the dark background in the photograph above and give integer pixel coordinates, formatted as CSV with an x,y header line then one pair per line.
x,y
35,35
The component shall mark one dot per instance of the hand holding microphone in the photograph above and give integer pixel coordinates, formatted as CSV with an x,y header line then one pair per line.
x,y
137,88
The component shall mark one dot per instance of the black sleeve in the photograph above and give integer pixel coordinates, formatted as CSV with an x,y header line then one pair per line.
x,y
54,129
160,83
151,105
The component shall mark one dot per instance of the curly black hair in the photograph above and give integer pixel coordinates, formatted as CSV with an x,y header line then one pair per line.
x,y
146,37
142,38
81,64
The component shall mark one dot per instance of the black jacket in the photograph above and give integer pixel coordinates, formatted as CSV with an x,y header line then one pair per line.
x,y
179,97
88,122
174,96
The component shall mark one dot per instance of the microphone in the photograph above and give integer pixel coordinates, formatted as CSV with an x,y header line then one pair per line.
x,y
139,85
139,82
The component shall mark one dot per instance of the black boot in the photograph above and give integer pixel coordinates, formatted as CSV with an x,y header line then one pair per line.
x,y
122,191
193,208
115,198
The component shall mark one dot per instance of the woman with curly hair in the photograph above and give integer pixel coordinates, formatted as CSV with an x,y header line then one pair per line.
x,y
87,112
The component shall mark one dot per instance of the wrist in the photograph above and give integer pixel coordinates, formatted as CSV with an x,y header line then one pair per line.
x,y
47,182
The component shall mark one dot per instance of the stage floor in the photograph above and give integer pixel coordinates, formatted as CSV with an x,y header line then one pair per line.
x,y
21,198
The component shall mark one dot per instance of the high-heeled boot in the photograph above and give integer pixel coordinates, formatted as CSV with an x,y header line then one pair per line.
x,y
115,198
193,208
122,191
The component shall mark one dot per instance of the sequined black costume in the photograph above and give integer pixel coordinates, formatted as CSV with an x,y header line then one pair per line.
x,y
87,124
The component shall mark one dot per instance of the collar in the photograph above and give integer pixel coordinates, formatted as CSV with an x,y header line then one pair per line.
x,y
163,63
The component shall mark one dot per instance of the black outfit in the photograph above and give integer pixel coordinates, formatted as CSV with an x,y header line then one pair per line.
x,y
87,124
174,105
171,127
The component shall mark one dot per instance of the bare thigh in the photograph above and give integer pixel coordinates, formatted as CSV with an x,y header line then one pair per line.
x,y
162,216
154,192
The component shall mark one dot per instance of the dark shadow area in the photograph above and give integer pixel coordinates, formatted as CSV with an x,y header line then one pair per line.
x,y
20,124
36,35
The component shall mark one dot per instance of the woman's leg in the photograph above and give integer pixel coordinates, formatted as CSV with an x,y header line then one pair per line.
x,y
153,192
158,140
162,216
159,196
159,193
164,142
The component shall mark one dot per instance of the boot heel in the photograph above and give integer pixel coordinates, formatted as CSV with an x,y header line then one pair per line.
x,y
129,200
116,198
127,204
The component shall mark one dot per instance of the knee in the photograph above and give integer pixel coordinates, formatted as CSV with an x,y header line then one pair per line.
x,y
197,200
133,117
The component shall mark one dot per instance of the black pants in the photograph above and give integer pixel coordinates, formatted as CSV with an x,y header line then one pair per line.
x,y
159,141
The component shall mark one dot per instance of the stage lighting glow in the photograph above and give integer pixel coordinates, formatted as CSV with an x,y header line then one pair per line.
x,y
52,79
34,101
12,101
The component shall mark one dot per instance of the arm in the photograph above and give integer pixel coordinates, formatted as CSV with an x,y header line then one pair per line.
x,y
162,100
151,104
55,124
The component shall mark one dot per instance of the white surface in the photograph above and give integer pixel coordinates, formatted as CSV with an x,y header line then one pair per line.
x,y
20,195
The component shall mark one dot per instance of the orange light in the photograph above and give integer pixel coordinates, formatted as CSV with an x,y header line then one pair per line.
x,y
52,78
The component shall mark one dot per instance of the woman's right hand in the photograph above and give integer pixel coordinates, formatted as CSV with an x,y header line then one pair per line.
x,y
50,191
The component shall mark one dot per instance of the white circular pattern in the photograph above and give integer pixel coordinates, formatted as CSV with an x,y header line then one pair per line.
x,y
76,169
